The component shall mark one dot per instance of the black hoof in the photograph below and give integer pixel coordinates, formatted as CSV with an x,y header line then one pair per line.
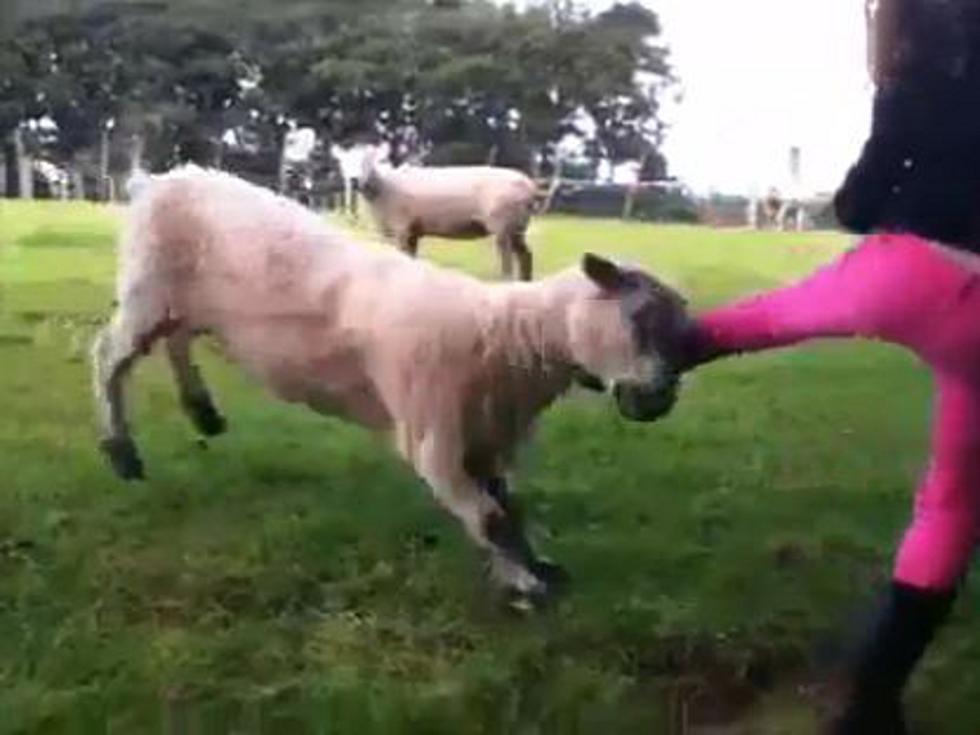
x,y
553,581
123,457
554,577
206,417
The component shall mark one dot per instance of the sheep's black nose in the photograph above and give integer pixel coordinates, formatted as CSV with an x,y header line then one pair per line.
x,y
645,403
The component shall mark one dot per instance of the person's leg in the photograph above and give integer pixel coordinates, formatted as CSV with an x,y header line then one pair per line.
x,y
840,299
939,543
931,561
906,622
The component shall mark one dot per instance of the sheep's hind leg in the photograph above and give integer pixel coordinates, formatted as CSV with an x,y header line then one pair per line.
x,y
408,241
194,394
506,253
512,245
116,349
525,260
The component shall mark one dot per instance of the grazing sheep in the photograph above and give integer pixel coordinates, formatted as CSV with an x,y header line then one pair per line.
x,y
453,369
457,202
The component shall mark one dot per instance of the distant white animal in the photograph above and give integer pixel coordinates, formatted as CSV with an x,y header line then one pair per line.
x,y
458,202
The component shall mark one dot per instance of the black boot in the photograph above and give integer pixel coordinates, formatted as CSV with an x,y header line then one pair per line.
x,y
898,638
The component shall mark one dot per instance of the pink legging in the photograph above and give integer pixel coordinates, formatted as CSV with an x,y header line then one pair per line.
x,y
900,289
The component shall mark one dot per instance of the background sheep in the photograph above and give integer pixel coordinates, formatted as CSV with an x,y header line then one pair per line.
x,y
455,370
456,202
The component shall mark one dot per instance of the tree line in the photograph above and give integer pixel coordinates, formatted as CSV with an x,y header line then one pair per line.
x,y
94,87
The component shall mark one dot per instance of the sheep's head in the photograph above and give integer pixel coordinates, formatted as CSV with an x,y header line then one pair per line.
x,y
626,336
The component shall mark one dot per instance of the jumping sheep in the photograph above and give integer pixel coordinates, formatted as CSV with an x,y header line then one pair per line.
x,y
452,369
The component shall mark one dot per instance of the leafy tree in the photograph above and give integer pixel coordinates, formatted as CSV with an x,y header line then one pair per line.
x,y
611,68
467,80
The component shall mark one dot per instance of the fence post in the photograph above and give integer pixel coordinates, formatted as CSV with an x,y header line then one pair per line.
x,y
25,167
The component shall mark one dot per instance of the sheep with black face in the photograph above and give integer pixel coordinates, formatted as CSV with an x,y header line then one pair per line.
x,y
454,370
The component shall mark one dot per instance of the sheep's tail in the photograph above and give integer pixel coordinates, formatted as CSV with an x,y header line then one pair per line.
x,y
371,181
138,181
541,197
369,164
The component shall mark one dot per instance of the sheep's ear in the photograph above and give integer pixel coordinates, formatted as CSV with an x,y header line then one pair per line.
x,y
604,273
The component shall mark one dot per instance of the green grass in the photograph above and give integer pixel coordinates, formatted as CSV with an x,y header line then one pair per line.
x,y
294,577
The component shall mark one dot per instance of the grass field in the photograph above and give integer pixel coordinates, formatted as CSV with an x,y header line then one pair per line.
x,y
294,577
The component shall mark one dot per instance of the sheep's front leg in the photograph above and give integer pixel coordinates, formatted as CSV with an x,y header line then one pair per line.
x,y
488,514
506,534
194,394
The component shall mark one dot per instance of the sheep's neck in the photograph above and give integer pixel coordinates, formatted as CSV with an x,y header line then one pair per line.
x,y
531,332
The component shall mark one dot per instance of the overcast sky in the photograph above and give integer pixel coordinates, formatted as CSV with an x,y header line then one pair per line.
x,y
759,76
